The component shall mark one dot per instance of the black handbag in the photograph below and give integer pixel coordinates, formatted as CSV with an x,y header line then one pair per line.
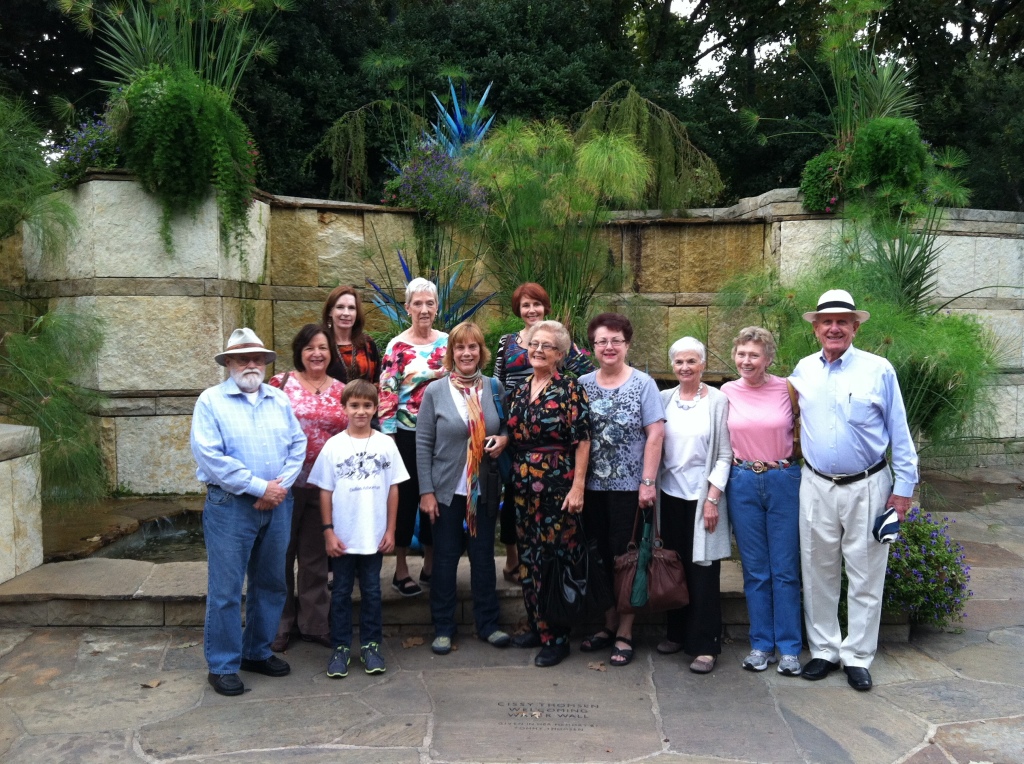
x,y
574,588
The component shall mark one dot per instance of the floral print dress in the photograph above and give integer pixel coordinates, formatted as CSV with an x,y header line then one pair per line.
x,y
545,433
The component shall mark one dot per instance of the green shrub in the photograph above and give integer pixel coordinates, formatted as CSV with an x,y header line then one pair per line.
x,y
821,181
180,136
927,575
889,159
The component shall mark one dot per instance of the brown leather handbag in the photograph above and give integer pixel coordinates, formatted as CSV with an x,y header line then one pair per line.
x,y
666,580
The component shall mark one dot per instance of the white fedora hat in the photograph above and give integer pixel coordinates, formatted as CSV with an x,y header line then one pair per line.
x,y
836,301
244,342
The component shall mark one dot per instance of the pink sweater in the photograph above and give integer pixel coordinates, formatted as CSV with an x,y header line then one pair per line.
x,y
760,420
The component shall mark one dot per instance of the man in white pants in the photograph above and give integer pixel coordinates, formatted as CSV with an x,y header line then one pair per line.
x,y
851,413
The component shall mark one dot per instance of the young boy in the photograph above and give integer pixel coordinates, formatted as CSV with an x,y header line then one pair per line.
x,y
358,472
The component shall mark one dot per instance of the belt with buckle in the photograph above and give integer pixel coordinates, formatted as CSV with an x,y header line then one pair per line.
x,y
757,466
852,478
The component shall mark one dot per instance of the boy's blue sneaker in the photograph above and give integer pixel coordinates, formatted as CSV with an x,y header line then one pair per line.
x,y
337,666
370,655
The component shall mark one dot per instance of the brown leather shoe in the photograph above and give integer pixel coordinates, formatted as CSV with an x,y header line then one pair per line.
x,y
280,643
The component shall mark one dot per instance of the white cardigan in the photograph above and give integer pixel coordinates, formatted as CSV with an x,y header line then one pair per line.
x,y
708,547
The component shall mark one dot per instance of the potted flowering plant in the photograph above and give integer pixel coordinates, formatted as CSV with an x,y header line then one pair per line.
x,y
927,576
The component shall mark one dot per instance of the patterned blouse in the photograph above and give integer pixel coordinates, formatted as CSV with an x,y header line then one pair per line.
x,y
545,433
364,365
320,416
512,364
406,372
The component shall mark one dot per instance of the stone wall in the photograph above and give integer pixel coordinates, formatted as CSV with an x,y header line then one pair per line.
x,y
167,315
21,525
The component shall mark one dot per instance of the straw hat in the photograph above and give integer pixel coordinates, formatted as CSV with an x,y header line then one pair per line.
x,y
836,301
244,342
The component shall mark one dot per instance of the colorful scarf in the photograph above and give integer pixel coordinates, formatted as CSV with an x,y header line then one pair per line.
x,y
470,388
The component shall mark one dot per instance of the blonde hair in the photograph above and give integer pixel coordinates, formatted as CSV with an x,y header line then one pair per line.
x,y
465,333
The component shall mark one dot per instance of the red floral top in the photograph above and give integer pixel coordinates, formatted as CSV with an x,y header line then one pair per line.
x,y
320,416
406,372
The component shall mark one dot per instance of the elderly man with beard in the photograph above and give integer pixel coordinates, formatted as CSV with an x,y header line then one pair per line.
x,y
249,449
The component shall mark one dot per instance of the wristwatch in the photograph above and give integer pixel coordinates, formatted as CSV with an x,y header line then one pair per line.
x,y
713,501
648,481
327,525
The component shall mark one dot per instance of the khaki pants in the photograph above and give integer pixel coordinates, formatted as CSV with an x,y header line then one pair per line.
x,y
835,525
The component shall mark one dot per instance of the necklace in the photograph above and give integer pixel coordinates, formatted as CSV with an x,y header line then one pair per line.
x,y
701,389
318,389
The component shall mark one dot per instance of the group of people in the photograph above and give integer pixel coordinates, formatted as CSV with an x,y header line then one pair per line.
x,y
340,460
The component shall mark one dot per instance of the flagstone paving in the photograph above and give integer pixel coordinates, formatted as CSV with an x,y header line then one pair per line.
x,y
101,694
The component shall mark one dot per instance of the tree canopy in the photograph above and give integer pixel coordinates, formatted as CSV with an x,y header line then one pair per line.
x,y
551,59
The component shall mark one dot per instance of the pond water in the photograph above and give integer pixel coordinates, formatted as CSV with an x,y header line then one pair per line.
x,y
178,538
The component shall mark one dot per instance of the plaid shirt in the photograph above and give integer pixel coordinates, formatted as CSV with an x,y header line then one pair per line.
x,y
241,446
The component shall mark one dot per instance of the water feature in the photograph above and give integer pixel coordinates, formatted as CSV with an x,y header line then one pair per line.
x,y
178,538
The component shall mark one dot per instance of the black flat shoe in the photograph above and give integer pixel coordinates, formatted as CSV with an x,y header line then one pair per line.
x,y
528,639
858,677
819,668
226,684
551,655
272,666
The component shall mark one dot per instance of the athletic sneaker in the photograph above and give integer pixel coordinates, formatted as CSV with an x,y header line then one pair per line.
x,y
441,645
789,665
370,655
337,666
758,660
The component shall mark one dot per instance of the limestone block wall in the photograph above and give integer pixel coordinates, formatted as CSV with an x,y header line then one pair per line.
x,y
166,316
21,526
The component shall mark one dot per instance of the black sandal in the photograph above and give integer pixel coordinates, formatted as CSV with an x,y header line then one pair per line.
x,y
600,640
624,656
406,587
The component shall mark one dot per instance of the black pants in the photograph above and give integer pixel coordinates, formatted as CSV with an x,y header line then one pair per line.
x,y
698,626
608,519
409,495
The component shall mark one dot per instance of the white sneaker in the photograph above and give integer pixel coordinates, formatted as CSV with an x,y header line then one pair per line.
x,y
789,665
758,660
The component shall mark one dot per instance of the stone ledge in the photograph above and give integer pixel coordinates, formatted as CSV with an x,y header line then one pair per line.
x,y
17,441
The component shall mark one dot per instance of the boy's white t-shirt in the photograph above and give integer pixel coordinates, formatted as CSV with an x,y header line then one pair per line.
x,y
359,472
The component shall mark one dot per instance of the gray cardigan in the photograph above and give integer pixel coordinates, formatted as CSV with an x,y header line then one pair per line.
x,y
710,546
442,436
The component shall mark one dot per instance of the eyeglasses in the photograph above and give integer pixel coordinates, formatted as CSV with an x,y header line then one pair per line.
x,y
542,346
616,342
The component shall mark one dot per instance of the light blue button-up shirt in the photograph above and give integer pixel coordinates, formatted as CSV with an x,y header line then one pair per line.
x,y
851,413
242,446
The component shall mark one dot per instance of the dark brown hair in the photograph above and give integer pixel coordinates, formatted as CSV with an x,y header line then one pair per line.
x,y
304,336
613,322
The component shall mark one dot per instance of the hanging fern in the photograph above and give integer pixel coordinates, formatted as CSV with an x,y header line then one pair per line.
x,y
684,176
180,136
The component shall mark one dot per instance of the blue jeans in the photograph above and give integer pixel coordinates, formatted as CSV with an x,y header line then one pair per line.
x,y
346,568
243,541
448,535
765,513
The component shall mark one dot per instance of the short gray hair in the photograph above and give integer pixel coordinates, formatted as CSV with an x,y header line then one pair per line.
x,y
562,339
687,343
755,334
420,285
